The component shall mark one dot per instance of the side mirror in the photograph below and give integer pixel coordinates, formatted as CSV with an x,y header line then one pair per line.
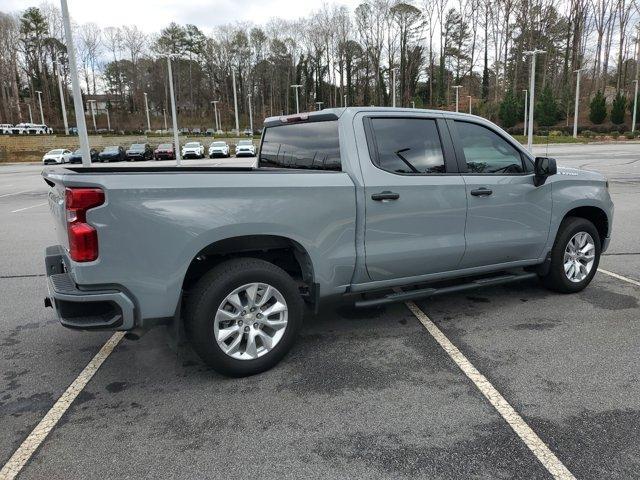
x,y
544,167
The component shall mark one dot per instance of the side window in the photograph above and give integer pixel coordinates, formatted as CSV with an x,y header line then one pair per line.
x,y
313,145
407,145
487,152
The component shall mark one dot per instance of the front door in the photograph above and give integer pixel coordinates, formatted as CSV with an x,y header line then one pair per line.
x,y
415,199
508,217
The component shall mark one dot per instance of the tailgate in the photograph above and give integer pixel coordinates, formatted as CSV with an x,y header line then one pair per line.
x,y
56,205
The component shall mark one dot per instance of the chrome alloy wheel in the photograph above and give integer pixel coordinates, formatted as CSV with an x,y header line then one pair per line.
x,y
579,256
250,321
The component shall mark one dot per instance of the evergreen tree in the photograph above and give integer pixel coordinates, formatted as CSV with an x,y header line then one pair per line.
x,y
546,109
618,109
508,112
597,109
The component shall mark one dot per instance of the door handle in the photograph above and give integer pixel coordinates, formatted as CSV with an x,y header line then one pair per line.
x,y
481,192
386,195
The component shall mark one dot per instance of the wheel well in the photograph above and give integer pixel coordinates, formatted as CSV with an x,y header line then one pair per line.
x,y
595,216
281,251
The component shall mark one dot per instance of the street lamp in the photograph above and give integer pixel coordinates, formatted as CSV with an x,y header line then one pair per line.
x,y
457,87
30,115
40,102
62,104
319,105
413,104
146,107
393,88
469,103
575,112
297,86
215,113
174,119
235,101
250,114
345,100
532,92
108,119
635,107
75,86
164,114
93,114
526,93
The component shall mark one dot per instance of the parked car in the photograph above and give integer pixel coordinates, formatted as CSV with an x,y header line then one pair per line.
x,y
31,129
139,151
196,131
429,202
164,151
245,148
76,157
219,132
219,149
248,132
5,128
113,153
57,155
193,150
210,132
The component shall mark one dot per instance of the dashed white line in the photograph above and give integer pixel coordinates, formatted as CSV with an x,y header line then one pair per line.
x,y
27,208
542,452
620,277
14,193
21,456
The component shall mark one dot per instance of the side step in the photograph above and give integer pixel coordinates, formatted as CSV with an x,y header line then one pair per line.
x,y
432,292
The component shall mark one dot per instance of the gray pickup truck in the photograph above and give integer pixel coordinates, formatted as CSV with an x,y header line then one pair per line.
x,y
373,204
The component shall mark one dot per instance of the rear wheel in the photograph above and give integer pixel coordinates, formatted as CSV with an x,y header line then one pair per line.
x,y
575,256
243,316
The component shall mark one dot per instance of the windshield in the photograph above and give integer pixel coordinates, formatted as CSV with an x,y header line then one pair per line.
x,y
111,149
137,146
55,152
245,142
77,152
218,144
192,145
164,146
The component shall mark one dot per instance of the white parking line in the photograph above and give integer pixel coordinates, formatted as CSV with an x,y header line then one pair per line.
x,y
548,459
620,277
27,208
21,456
14,193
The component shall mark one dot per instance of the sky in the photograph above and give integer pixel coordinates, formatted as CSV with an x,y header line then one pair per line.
x,y
152,15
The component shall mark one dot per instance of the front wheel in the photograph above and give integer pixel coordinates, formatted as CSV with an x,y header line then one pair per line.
x,y
242,317
575,256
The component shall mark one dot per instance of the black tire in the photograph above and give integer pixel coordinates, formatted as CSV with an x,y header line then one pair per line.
x,y
210,291
556,279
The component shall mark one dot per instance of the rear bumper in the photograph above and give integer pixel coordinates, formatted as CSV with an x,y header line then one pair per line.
x,y
103,309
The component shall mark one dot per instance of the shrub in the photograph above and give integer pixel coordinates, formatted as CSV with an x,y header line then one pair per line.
x,y
597,108
630,135
615,134
546,109
556,133
618,109
508,112
588,133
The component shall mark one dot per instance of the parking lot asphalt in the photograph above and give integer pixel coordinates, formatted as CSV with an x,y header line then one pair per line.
x,y
364,394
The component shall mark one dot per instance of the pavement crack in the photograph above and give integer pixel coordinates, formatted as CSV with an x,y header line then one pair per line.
x,y
23,276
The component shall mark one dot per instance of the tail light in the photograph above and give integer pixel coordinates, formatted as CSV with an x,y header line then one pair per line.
x,y
83,238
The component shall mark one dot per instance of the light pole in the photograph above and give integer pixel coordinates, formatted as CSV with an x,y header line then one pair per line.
x,y
235,101
575,112
526,93
297,86
413,104
319,105
164,114
215,114
146,107
250,115
457,87
62,105
345,101
93,114
174,119
75,87
635,107
30,115
40,103
469,103
532,92
637,80
108,120
393,88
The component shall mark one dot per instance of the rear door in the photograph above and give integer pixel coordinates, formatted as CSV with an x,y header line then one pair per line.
x,y
414,197
508,218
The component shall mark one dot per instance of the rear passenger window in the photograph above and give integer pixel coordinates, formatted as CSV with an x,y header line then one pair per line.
x,y
487,152
312,145
407,145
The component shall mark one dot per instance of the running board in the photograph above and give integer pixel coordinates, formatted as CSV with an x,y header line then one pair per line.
x,y
432,292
